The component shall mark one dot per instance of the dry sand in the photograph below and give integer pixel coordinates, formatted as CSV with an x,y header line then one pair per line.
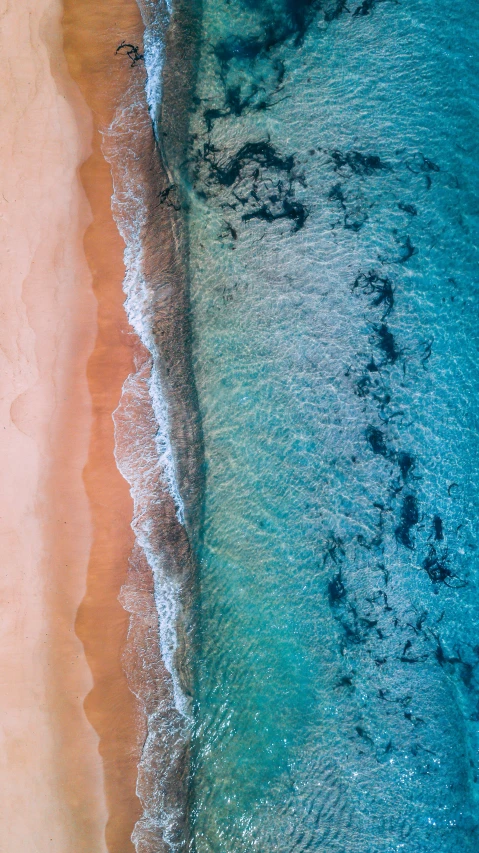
x,y
64,529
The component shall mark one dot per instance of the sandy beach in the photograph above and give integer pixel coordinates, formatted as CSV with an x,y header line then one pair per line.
x,y
70,728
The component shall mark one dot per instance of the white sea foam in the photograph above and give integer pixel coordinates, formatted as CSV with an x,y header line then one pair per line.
x,y
142,467
144,470
129,210
143,447
155,15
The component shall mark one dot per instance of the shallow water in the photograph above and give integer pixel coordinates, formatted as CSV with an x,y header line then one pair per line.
x,y
333,185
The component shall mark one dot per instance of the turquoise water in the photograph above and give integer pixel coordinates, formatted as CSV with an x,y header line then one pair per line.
x,y
333,188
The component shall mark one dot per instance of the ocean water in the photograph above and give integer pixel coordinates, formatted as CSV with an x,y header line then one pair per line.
x,y
313,368
332,181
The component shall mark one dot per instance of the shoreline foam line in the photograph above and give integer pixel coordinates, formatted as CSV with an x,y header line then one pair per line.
x,y
158,434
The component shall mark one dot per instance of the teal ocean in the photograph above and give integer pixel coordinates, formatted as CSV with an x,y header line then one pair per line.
x,y
331,189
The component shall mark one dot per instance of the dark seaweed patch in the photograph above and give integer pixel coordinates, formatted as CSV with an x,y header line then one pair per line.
x,y
373,284
406,463
357,162
420,164
260,180
335,11
416,721
386,343
436,566
132,51
407,657
354,217
232,231
418,625
334,550
426,352
336,590
244,58
408,208
170,197
345,681
362,733
301,13
262,153
438,528
376,441
367,7
239,47
440,655
407,250
336,194
236,104
380,595
466,672
211,115
363,386
356,628
294,210
376,540
409,519
289,23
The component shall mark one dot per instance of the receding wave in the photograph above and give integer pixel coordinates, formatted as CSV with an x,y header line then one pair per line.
x,y
157,448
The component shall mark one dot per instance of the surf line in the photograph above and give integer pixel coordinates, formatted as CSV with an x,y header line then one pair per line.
x,y
158,443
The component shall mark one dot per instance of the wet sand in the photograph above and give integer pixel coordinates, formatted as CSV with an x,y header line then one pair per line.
x,y
93,29
65,350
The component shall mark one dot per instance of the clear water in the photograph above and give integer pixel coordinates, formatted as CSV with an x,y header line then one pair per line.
x,y
333,263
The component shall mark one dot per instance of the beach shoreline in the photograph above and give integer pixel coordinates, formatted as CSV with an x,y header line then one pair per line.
x,y
158,432
89,713
140,681
72,731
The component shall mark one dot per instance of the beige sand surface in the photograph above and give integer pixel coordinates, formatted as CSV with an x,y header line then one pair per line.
x,y
57,793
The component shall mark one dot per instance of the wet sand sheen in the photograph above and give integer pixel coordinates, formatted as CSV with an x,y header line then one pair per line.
x,y
92,32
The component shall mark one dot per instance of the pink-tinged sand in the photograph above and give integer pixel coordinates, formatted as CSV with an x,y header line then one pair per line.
x,y
64,528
